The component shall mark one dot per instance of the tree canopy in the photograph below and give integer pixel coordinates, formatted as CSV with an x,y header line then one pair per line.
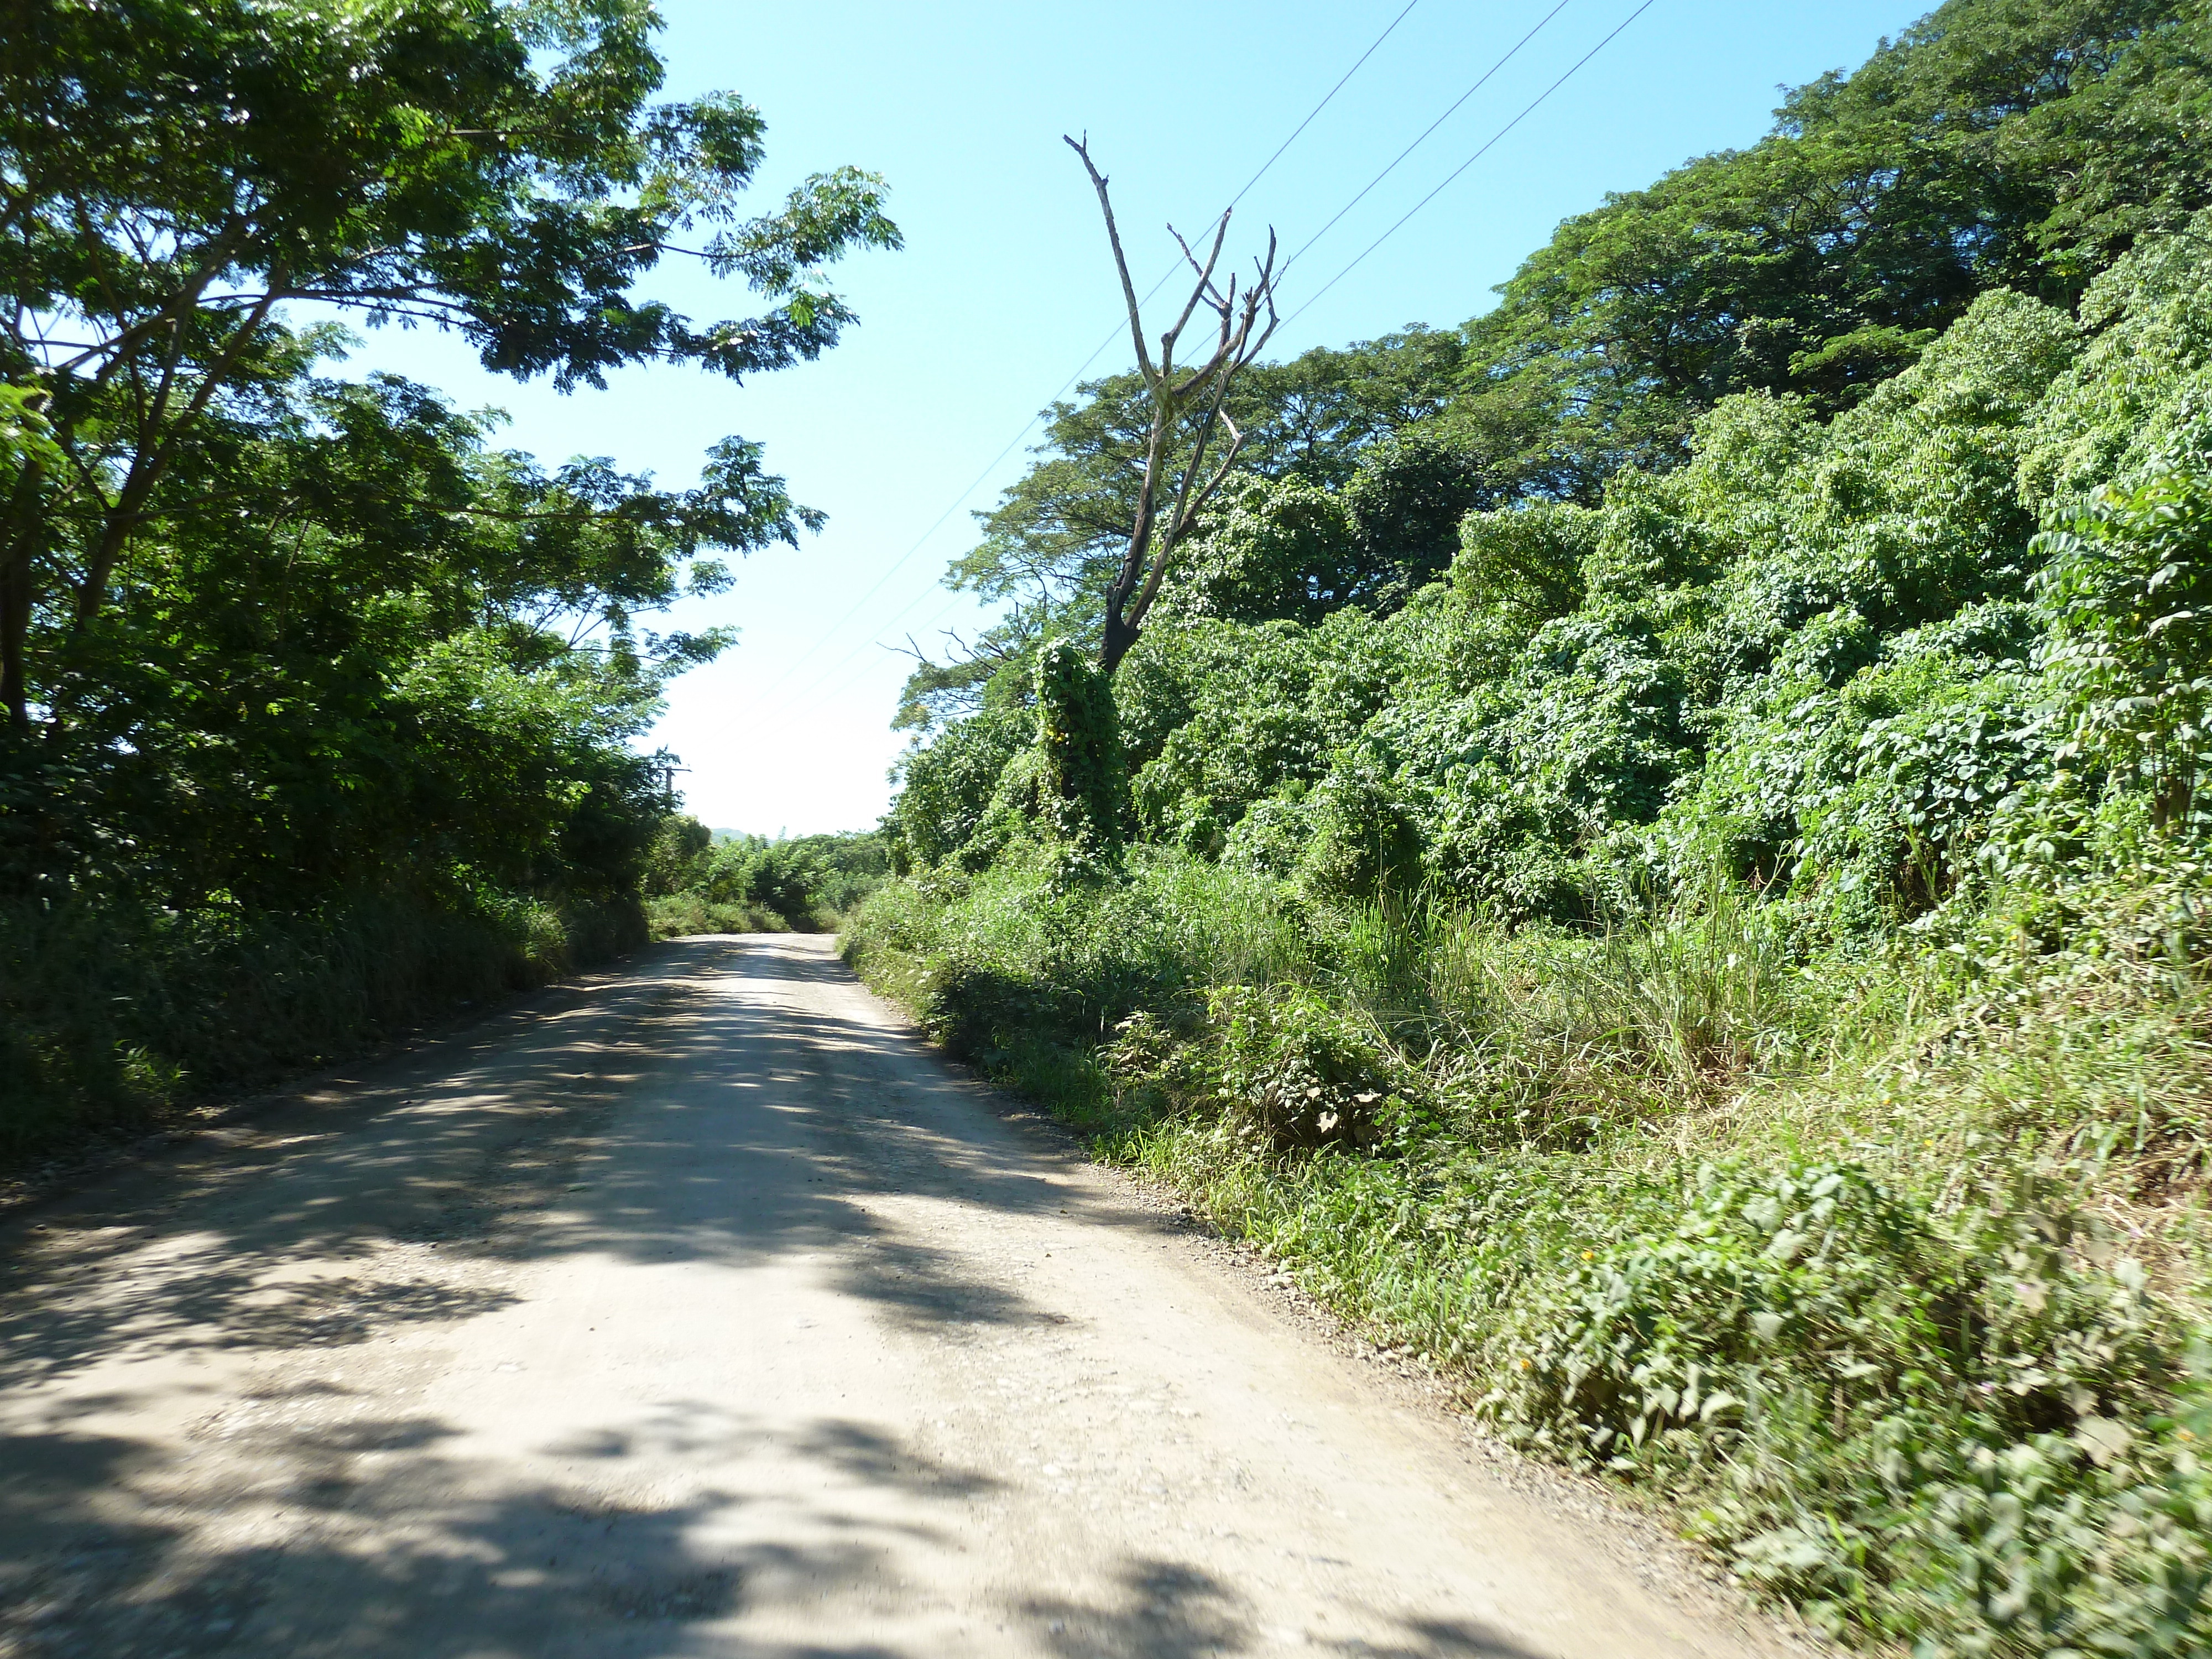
x,y
1995,143
292,661
178,174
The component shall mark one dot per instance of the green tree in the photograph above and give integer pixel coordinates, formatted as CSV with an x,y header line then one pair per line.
x,y
946,786
1994,144
172,175
398,651
1290,548
678,862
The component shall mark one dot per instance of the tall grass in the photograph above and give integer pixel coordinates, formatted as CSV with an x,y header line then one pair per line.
x,y
1883,1271
115,1013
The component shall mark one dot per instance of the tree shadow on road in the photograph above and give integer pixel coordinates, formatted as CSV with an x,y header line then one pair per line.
x,y
1163,1609
334,1553
451,1572
703,1110
743,1128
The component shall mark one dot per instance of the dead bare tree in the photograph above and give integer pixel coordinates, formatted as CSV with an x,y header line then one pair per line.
x,y
1177,397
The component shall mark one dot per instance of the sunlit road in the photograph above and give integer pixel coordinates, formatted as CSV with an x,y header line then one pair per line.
x,y
699,1309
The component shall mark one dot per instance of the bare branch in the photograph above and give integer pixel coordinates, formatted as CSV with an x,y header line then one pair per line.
x,y
1201,391
1113,236
1205,286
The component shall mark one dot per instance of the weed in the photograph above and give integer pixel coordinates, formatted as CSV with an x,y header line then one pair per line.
x,y
1881,1269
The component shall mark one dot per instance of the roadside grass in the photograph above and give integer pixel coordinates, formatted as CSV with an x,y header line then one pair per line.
x,y
680,915
116,1014
1883,1273
685,914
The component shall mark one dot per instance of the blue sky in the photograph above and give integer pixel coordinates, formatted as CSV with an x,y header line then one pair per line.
x,y
1004,288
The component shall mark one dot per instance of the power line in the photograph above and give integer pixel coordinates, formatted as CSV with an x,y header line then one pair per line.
x,y
859,604
1572,70
1489,144
1481,81
1430,128
1322,106
1470,159
1028,427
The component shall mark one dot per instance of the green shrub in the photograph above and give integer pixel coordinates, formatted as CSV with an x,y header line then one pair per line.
x,y
1837,1254
2128,589
679,915
947,787
677,860
1298,1074
1863,1386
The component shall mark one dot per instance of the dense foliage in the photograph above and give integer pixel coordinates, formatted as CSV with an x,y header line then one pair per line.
x,y
1994,144
1324,425
1723,970
697,881
319,705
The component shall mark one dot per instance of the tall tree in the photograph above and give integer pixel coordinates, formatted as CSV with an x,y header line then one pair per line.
x,y
2021,144
174,173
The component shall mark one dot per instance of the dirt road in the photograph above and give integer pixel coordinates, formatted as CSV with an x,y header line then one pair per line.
x,y
699,1309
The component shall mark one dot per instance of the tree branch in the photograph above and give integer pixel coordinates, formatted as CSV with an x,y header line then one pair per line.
x,y
1120,264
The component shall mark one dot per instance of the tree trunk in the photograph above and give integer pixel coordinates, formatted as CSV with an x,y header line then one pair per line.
x,y
1119,637
16,558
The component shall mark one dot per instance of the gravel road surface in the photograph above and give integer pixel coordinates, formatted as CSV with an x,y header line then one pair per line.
x,y
699,1308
